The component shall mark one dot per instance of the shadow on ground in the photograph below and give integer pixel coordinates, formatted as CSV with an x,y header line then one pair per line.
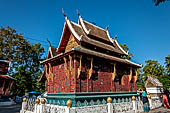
x,y
10,109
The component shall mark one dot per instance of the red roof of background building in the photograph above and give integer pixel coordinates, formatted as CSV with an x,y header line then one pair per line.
x,y
7,77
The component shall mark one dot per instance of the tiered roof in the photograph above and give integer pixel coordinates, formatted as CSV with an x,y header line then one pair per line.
x,y
90,39
4,68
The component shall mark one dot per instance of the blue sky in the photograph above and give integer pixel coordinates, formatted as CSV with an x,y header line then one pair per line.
x,y
138,23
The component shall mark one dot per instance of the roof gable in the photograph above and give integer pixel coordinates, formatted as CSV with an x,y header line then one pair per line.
x,y
153,82
70,33
71,44
52,51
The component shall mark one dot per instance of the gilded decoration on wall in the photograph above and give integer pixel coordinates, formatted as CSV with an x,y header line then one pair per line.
x,y
48,72
65,67
79,69
91,68
136,76
114,72
130,76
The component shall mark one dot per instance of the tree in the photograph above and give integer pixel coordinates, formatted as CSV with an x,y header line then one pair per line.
x,y
157,2
141,80
153,68
24,81
167,64
165,80
126,49
24,57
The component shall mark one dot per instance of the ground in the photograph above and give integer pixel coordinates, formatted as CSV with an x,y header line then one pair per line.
x,y
160,110
16,108
10,109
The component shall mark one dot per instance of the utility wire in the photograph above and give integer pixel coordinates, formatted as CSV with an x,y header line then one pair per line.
x,y
40,41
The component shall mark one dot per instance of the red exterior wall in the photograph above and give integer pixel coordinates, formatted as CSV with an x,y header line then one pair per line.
x,y
61,83
102,83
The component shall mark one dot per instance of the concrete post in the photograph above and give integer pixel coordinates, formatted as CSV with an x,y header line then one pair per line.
x,y
36,109
134,104
110,109
24,103
150,100
69,105
42,106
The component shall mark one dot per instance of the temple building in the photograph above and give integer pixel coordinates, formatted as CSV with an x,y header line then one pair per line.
x,y
88,63
6,81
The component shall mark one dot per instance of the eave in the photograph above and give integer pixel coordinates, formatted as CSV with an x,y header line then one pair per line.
x,y
106,56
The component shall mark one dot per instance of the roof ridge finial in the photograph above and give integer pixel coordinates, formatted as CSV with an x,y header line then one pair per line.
x,y
78,12
63,13
49,42
115,37
107,27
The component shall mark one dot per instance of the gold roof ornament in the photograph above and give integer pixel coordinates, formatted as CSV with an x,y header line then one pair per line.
x,y
133,98
69,103
37,101
78,12
109,99
107,27
115,37
148,95
63,12
43,101
24,99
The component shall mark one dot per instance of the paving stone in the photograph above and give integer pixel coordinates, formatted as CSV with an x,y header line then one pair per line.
x,y
160,110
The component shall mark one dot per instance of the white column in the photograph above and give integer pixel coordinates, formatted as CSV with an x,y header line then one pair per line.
x,y
110,108
35,109
41,108
67,109
150,102
24,105
134,104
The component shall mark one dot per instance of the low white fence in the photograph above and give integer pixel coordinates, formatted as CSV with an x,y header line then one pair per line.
x,y
134,106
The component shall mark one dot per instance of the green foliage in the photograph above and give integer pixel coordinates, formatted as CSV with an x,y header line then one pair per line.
x,y
157,2
165,80
126,49
24,57
141,79
167,64
153,68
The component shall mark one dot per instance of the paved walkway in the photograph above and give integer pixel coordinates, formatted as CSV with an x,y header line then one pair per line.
x,y
10,109
160,110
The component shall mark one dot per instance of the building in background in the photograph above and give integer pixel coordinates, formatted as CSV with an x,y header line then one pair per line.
x,y
6,81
